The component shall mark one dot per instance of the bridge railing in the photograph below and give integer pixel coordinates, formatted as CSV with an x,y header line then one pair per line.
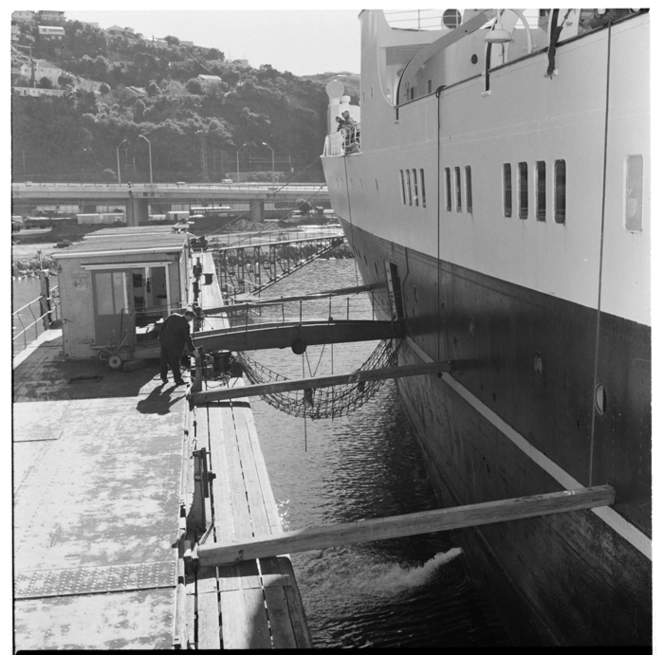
x,y
18,186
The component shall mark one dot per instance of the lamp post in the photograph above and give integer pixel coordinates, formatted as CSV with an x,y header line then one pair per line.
x,y
238,161
272,149
117,154
142,136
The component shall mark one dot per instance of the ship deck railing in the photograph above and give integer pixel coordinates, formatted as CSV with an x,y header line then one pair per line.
x,y
343,142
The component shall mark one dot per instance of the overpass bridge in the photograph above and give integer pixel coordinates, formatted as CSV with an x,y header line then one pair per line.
x,y
138,197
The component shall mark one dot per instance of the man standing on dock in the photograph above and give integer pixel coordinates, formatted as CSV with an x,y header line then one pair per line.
x,y
174,336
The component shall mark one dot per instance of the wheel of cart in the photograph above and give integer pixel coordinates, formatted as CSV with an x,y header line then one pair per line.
x,y
103,355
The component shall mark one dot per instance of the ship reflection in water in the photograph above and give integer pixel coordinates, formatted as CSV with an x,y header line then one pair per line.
x,y
403,592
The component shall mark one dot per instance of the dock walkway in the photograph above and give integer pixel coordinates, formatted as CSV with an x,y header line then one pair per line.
x,y
96,472
255,603
102,471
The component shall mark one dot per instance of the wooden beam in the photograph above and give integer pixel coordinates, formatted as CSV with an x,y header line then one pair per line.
x,y
263,336
392,527
228,393
345,291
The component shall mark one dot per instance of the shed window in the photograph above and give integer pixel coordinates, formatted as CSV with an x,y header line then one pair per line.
x,y
540,190
448,190
523,190
424,193
469,191
634,193
560,191
111,293
507,190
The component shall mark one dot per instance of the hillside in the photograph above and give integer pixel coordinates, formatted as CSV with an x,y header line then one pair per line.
x,y
151,89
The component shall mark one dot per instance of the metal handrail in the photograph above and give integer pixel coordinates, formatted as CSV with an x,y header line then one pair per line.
x,y
17,316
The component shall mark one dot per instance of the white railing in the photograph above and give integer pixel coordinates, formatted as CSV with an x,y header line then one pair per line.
x,y
432,19
343,142
415,19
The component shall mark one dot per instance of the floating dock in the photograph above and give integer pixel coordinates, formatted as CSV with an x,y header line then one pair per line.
x,y
106,502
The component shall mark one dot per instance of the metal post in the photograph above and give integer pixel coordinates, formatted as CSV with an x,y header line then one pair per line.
x,y
238,161
142,136
272,149
117,153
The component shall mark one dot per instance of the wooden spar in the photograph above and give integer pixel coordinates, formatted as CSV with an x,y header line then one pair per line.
x,y
306,333
228,393
345,291
392,527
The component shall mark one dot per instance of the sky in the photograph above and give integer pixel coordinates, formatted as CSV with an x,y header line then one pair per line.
x,y
304,42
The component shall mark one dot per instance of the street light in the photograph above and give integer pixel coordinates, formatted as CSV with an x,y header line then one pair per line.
x,y
142,136
117,154
238,161
271,148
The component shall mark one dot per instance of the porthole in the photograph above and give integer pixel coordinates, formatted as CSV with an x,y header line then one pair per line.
x,y
473,59
600,399
538,365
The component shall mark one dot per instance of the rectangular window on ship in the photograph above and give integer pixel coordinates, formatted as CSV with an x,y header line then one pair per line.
x,y
523,190
559,191
507,190
410,191
634,193
424,193
403,187
417,202
448,190
457,187
469,191
540,190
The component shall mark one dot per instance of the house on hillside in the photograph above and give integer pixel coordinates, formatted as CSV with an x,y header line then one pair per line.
x,y
16,33
51,33
88,85
36,93
23,16
136,91
209,81
116,30
50,17
42,69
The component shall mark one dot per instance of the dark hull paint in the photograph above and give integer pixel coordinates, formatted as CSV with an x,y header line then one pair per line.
x,y
570,578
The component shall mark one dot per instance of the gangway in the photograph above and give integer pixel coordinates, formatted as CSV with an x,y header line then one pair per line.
x,y
252,263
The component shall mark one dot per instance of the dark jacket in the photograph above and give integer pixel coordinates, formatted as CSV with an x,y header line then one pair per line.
x,y
175,332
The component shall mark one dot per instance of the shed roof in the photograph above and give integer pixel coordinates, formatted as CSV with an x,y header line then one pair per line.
x,y
127,241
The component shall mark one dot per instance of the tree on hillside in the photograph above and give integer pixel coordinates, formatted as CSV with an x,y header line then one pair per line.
x,y
194,86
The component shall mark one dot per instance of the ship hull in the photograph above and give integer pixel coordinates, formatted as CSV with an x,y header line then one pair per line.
x,y
487,433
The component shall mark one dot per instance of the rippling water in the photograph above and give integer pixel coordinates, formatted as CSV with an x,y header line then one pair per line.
x,y
403,592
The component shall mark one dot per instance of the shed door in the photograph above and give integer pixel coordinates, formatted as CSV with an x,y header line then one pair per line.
x,y
114,315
